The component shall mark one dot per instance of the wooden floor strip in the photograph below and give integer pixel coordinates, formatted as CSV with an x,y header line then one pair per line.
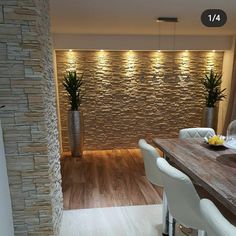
x,y
107,178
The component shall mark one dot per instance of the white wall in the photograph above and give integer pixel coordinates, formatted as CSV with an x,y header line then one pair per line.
x,y
139,42
6,221
227,71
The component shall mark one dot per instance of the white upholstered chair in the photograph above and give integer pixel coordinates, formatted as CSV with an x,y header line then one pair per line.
x,y
183,200
196,132
150,155
215,222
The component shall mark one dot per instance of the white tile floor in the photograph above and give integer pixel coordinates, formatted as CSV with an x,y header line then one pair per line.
x,y
114,221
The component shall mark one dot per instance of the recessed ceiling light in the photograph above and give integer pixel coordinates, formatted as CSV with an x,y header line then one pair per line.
x,y
186,50
213,50
159,51
70,50
101,50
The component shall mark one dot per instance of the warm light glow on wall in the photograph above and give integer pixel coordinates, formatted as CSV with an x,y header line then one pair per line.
x,y
102,57
210,64
157,65
130,62
71,60
130,54
130,68
186,52
130,58
102,65
184,65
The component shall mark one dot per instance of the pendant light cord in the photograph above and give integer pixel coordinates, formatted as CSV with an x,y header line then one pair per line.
x,y
159,36
174,32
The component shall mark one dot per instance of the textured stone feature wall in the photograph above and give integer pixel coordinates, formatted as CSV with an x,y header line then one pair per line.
x,y
29,119
132,95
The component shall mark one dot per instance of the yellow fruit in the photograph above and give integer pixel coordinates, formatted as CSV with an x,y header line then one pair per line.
x,y
216,140
220,142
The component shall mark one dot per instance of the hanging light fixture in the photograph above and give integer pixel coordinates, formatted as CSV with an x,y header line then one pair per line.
x,y
167,19
173,21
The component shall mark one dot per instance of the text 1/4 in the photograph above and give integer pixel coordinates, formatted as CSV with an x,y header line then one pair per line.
x,y
213,18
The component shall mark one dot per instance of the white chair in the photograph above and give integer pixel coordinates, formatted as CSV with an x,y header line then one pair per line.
x,y
183,200
150,155
196,133
215,222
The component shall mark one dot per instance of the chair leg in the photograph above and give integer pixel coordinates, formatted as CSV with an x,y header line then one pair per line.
x,y
171,227
165,215
201,233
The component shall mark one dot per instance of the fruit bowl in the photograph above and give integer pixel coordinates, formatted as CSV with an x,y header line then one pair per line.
x,y
215,140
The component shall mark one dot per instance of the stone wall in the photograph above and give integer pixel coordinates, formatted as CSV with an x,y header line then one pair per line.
x,y
131,95
29,119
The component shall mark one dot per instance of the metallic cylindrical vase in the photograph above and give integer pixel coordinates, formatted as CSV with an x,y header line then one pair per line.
x,y
75,129
210,117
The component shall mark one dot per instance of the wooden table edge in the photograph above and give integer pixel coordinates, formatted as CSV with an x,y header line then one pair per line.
x,y
196,178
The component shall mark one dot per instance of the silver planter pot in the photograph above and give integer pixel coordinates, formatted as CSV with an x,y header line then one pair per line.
x,y
76,134
210,117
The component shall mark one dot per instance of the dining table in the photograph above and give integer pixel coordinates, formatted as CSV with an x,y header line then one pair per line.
x,y
211,167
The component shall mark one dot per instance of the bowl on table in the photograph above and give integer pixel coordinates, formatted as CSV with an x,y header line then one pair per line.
x,y
215,140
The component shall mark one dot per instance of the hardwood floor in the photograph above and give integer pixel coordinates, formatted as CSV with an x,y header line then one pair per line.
x,y
105,179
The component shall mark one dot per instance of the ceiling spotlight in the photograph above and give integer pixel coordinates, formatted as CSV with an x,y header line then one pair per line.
x,y
70,50
159,51
101,50
213,50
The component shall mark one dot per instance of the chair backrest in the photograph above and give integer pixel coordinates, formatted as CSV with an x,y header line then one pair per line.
x,y
196,133
183,200
150,156
215,222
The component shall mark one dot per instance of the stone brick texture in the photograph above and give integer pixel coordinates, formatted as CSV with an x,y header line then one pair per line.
x,y
133,95
29,119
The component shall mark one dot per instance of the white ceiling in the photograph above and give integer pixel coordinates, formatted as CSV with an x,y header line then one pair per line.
x,y
137,17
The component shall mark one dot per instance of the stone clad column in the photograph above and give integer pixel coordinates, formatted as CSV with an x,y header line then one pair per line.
x,y
29,119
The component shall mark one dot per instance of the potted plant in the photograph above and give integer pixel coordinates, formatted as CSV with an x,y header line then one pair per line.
x,y
72,84
212,83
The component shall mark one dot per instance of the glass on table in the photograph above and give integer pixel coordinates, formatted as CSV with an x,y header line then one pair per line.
x,y
230,141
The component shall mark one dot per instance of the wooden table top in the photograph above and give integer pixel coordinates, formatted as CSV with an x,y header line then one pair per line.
x,y
214,168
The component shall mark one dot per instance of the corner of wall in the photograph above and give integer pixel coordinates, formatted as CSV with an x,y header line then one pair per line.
x,y
227,70
57,98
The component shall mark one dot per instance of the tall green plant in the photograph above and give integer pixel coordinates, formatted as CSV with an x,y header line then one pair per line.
x,y
72,84
212,83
